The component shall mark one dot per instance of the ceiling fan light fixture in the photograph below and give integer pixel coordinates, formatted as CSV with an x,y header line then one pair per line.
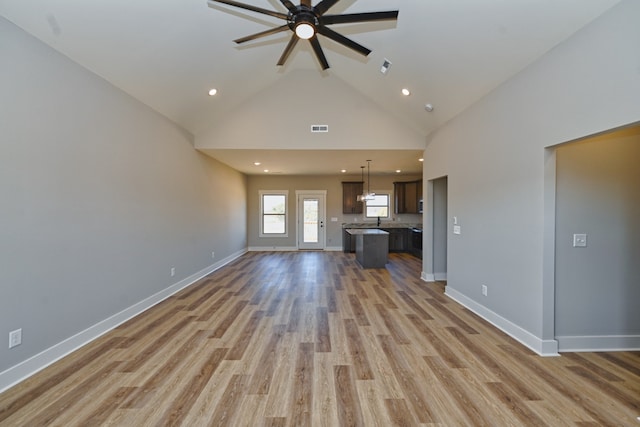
x,y
305,31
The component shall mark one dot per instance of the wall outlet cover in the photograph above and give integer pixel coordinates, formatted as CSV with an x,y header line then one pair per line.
x,y
579,240
15,338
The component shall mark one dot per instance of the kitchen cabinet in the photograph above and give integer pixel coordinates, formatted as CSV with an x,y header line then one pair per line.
x,y
348,242
350,192
414,240
397,239
408,197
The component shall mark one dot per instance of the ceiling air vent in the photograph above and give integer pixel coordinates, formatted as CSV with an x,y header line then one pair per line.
x,y
319,128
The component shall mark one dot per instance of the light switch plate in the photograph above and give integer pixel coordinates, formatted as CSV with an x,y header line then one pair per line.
x,y
579,240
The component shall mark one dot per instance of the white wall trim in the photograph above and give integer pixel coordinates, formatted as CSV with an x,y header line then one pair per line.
x,y
36,363
427,277
542,347
272,248
599,343
440,276
291,249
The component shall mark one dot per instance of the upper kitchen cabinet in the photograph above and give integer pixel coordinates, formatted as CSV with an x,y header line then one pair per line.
x,y
408,196
350,192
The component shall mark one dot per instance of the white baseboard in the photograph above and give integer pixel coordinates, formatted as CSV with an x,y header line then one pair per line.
x,y
427,277
599,343
34,364
272,248
288,249
542,347
440,276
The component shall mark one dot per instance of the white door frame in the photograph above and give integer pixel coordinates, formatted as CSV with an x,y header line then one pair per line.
x,y
321,195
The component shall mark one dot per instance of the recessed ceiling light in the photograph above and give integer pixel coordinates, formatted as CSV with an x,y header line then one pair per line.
x,y
256,163
266,170
421,159
428,107
343,170
406,92
398,171
212,92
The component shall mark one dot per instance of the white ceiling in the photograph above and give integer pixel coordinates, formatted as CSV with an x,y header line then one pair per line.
x,y
169,53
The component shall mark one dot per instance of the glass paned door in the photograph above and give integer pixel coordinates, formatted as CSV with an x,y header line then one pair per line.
x,y
311,231
310,228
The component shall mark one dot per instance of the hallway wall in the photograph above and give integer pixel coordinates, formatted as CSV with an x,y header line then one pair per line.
x,y
598,286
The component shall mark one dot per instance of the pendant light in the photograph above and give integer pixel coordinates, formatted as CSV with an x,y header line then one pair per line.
x,y
361,197
368,195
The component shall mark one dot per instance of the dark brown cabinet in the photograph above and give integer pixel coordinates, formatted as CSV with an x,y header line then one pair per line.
x,y
408,197
350,192
397,239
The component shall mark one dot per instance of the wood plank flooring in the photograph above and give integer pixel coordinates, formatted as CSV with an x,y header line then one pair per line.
x,y
311,339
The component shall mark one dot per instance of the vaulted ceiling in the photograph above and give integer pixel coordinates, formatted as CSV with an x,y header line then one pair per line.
x,y
170,53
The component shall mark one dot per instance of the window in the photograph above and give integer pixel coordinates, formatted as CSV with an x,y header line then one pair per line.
x,y
378,207
273,213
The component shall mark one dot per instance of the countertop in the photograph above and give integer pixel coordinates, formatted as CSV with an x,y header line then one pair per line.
x,y
369,225
367,231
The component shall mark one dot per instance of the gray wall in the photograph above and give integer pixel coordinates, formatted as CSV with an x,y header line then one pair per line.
x,y
440,228
101,196
598,193
333,185
494,156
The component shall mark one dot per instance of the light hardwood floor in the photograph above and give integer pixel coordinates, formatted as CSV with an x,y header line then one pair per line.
x,y
311,339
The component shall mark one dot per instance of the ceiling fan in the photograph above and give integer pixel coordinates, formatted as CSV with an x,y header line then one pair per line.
x,y
308,21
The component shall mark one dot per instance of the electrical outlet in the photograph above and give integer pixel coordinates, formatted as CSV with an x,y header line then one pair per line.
x,y
213,255
15,338
173,271
484,290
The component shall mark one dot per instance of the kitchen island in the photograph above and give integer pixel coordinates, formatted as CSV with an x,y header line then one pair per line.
x,y
372,246
403,237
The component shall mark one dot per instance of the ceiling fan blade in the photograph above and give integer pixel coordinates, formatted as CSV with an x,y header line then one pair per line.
x,y
348,18
288,5
262,34
305,2
252,8
315,44
325,5
328,32
288,50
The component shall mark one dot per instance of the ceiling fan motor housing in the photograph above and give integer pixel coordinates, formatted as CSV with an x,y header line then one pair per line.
x,y
303,15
